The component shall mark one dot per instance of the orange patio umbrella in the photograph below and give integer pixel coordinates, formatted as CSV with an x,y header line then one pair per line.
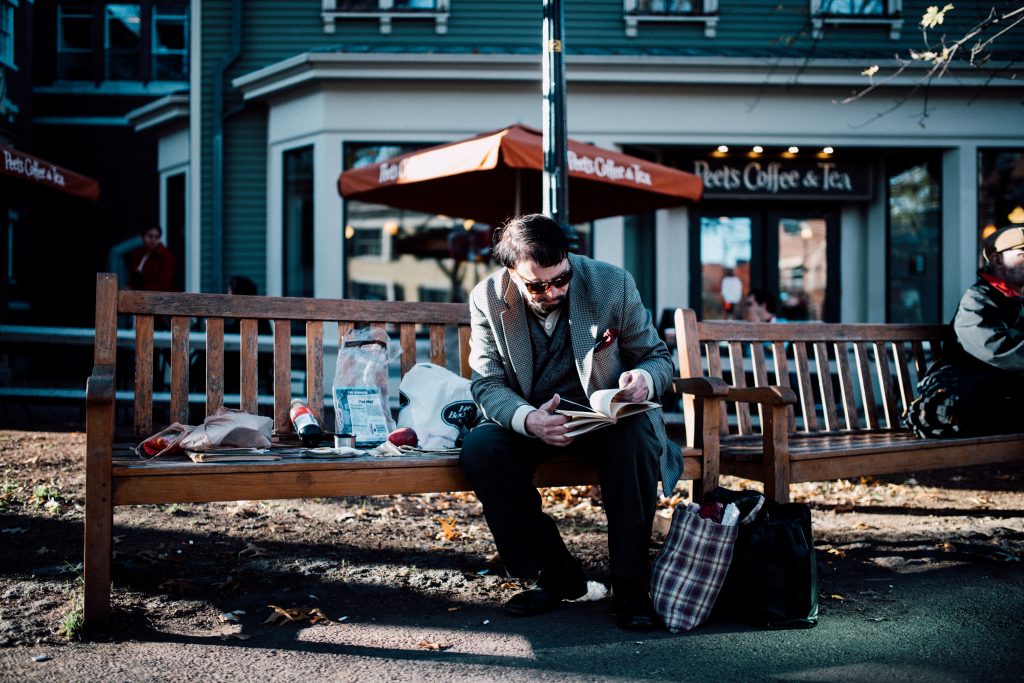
x,y
495,175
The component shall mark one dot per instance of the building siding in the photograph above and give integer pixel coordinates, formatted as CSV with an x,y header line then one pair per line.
x,y
274,31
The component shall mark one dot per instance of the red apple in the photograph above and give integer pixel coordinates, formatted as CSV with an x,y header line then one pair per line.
x,y
403,436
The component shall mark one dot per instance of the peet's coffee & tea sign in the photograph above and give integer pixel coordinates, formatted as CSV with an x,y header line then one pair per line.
x,y
783,178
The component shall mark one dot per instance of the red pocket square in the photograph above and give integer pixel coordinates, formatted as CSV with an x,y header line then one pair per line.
x,y
607,338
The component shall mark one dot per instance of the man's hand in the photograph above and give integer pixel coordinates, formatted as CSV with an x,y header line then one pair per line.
x,y
547,425
634,386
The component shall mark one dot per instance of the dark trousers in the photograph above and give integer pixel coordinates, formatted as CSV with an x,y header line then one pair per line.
x,y
500,464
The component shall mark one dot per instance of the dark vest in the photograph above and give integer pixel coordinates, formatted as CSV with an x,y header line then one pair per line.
x,y
554,367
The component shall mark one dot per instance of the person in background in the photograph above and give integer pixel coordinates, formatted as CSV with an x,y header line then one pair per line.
x,y
151,266
975,386
241,285
550,327
759,307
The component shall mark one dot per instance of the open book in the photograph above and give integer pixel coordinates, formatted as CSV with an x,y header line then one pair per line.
x,y
605,409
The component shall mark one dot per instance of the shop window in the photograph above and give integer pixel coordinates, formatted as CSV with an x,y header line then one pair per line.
x,y
857,13
1000,190
170,45
122,37
74,44
385,11
7,8
297,256
368,291
680,11
913,246
140,42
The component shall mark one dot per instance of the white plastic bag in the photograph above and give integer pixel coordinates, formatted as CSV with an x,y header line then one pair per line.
x,y
437,405
229,428
362,405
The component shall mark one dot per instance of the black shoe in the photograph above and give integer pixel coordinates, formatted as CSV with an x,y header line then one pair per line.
x,y
559,581
632,605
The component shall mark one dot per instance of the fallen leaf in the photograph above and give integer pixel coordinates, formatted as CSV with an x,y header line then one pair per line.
x,y
150,556
429,645
837,552
235,636
228,584
281,615
178,586
41,658
448,528
836,596
454,609
252,550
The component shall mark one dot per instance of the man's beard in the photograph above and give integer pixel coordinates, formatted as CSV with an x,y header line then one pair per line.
x,y
546,305
1014,275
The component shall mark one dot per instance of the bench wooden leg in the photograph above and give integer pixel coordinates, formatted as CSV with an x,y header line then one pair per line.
x,y
99,514
709,472
776,455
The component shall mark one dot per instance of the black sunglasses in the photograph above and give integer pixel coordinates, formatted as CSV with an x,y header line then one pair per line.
x,y
542,286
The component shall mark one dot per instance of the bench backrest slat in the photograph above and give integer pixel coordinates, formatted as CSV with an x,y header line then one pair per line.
x,y
248,329
282,374
736,367
828,400
143,374
806,391
892,417
214,364
209,312
848,377
847,391
315,368
407,338
179,368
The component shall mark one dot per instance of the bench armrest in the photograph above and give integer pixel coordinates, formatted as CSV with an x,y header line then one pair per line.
x,y
769,396
706,387
99,388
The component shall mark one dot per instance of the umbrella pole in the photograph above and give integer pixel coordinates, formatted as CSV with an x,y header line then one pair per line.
x,y
519,192
556,170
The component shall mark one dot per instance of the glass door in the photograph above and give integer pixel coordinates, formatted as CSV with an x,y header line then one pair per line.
x,y
789,255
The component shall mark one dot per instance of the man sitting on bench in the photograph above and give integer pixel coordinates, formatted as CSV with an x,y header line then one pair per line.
x,y
975,387
554,325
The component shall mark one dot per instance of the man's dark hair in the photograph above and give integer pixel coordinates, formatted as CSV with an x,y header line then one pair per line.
x,y
147,228
533,237
763,298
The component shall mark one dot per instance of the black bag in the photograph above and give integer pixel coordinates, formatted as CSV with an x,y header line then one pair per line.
x,y
965,399
773,579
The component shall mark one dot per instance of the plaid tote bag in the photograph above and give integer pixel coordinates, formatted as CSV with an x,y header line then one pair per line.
x,y
691,568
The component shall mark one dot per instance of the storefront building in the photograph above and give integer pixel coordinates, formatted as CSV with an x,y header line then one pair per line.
x,y
862,211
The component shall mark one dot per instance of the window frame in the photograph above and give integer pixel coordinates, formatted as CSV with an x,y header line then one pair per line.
x,y
108,51
8,33
632,15
891,17
161,13
386,12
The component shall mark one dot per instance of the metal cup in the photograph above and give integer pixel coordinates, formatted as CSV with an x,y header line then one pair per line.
x,y
344,441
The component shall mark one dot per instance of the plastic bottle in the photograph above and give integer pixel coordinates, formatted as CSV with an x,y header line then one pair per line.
x,y
305,424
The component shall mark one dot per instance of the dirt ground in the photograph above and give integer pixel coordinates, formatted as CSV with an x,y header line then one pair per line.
x,y
217,570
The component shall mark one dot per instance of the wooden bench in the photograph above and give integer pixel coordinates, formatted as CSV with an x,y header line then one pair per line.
x,y
116,476
852,382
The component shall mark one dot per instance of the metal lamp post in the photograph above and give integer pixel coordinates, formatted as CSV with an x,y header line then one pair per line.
x,y
556,163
